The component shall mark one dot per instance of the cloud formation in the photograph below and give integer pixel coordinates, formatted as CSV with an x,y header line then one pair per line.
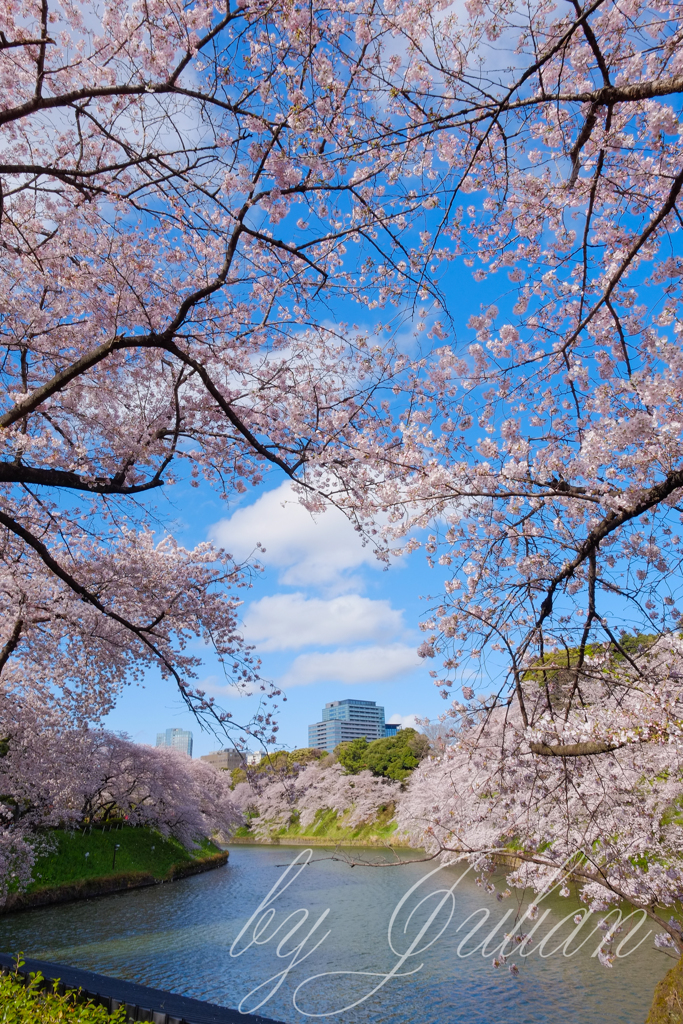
x,y
376,664
285,622
308,550
405,721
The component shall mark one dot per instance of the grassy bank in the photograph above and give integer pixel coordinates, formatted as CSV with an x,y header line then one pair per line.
x,y
328,828
93,855
89,864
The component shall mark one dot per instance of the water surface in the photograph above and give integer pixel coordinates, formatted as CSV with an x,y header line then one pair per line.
x,y
178,937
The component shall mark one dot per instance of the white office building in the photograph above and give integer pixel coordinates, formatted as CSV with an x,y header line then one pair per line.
x,y
344,720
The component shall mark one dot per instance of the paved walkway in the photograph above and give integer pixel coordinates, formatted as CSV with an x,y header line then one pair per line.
x,y
143,1003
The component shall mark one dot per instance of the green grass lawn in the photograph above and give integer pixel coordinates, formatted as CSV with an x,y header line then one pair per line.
x,y
141,850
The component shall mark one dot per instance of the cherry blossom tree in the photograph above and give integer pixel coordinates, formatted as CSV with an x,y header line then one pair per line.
x,y
272,798
184,192
609,825
160,788
54,775
542,452
543,457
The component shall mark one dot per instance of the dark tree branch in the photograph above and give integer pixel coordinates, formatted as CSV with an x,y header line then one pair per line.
x,y
17,473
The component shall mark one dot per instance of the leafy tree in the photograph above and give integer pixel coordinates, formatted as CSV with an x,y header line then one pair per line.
x,y
393,757
352,755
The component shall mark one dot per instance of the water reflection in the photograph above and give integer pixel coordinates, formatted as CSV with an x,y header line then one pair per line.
x,y
178,937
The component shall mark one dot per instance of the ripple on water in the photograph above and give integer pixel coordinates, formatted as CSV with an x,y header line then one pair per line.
x,y
177,937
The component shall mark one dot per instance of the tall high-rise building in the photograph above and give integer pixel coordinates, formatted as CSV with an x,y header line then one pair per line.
x,y
179,739
344,720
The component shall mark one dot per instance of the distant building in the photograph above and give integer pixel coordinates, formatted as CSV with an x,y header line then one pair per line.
x,y
344,720
227,759
255,757
390,729
179,739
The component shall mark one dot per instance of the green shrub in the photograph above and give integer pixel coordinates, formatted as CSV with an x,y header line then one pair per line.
x,y
39,1002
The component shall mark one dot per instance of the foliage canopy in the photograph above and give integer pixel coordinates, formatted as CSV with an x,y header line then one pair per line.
x,y
393,757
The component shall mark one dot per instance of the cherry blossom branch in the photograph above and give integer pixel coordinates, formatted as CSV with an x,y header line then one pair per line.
x,y
88,597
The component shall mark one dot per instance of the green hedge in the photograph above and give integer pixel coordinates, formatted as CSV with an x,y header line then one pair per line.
x,y
37,1003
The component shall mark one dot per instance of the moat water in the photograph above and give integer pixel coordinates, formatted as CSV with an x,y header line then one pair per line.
x,y
181,937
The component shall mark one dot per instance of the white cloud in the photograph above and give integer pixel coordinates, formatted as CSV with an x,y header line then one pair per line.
x,y
221,687
308,550
405,721
376,664
289,621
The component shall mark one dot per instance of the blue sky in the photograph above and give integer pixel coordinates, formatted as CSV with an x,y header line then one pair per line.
x,y
327,620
